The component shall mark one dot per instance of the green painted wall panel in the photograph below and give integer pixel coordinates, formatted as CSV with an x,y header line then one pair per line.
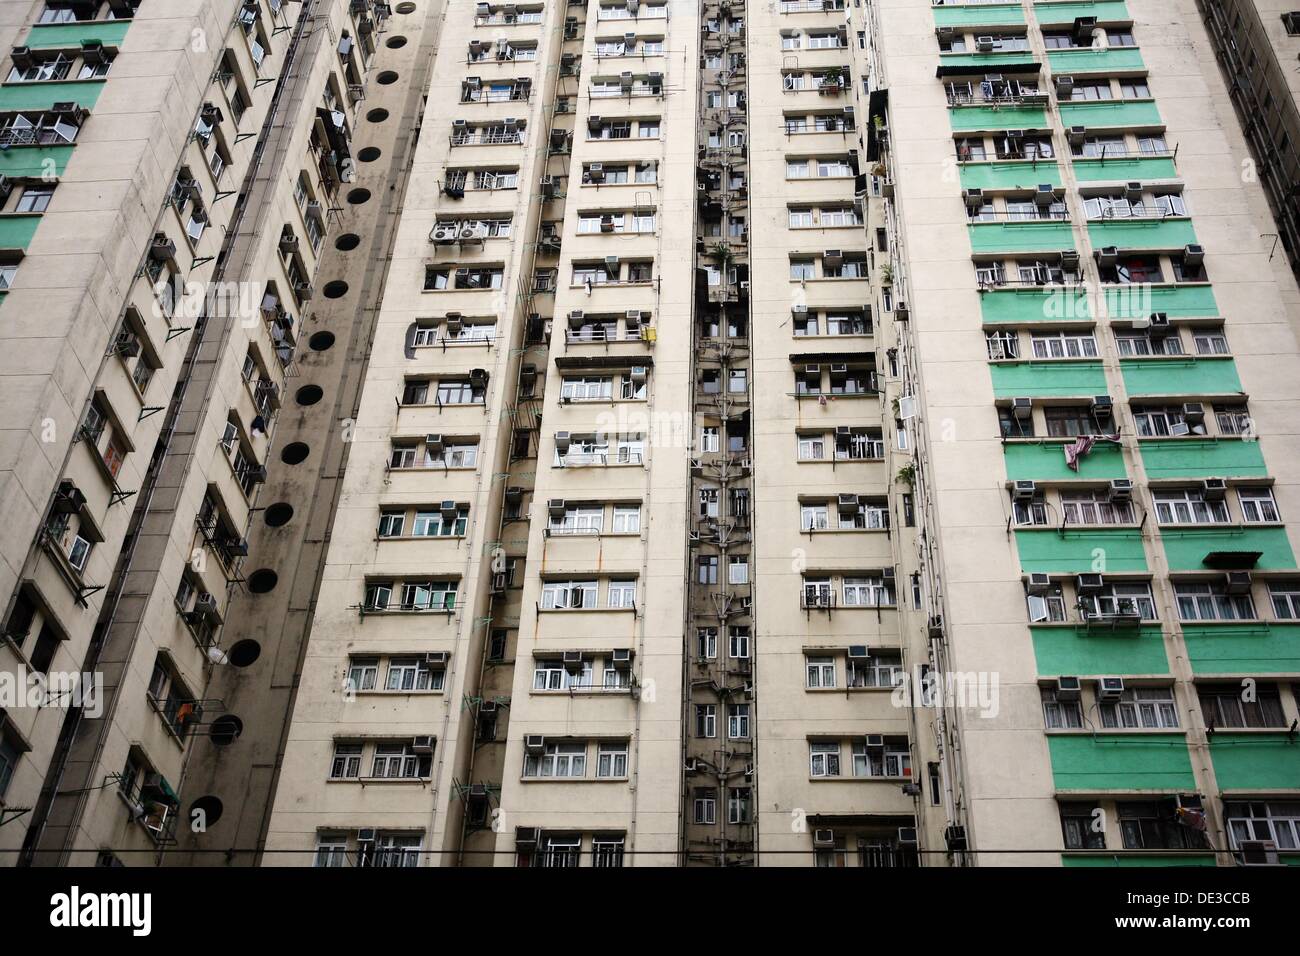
x,y
1098,113
1142,233
1124,169
41,96
1079,552
1185,548
1120,762
69,35
1009,175
1189,376
1264,647
1255,761
963,118
1202,458
17,231
1051,379
1138,859
1034,236
24,161
987,62
1045,304
1046,462
993,14
1140,300
1074,650
1094,59
1106,11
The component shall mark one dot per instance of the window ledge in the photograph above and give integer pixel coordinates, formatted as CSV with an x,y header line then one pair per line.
x,y
421,537
363,781
523,779
1124,731
584,610
377,692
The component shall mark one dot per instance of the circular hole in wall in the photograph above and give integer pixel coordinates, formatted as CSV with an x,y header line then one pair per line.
x,y
226,729
396,43
244,653
370,154
406,8
387,78
279,514
263,580
211,808
377,115
309,395
321,341
347,242
295,453
335,289
358,196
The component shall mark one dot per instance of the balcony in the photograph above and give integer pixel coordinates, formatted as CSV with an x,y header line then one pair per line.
x,y
965,118
1053,378
1154,232
1075,649
979,15
1186,548
1255,761
1030,235
1045,461
1242,647
1075,552
1132,761
1181,375
1009,174
1111,61
1201,458
1101,114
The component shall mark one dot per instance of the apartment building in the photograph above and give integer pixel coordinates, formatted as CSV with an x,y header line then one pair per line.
x,y
811,434
174,170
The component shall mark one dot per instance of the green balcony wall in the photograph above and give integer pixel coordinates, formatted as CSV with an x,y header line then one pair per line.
x,y
1101,113
1127,859
1046,462
1052,379
965,118
63,36
987,62
1139,301
1186,376
1124,169
1035,304
1009,175
1142,233
17,231
1255,761
1120,762
1046,235
1258,647
1202,458
33,161
1186,547
41,96
993,14
1094,60
1076,650
1080,552
1106,11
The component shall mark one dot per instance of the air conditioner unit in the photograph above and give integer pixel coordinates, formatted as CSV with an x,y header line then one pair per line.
x,y
1025,490
621,658
1133,191
907,836
69,499
1107,256
1193,254
823,837
527,836
1022,408
875,741
1040,582
162,249
974,197
848,504
1194,412
1237,582
1089,582
1258,853
367,835
1121,489
449,510
1158,324
303,291
1068,688
455,323
611,265
840,369
433,445
984,44
257,474
556,507
1110,688
833,255
534,743
637,374
562,442
572,661
1180,429
437,657
487,707
422,744
205,607
1069,260
1102,406
1214,489
127,345
444,232
858,652
499,582
692,765
1064,87
1044,195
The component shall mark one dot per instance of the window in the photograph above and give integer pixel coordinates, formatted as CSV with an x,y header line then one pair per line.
x,y
1242,705
627,519
1069,421
1061,714
1151,825
893,760
1211,602
820,671
824,759
739,809
557,760
1120,599
346,764
867,592
611,760
883,668
409,673
738,641
1275,820
1141,707
738,721
570,595
622,594
363,673
1063,345
1257,505
705,807
1094,507
397,761
706,643
706,720
1210,342
1286,600
1081,827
